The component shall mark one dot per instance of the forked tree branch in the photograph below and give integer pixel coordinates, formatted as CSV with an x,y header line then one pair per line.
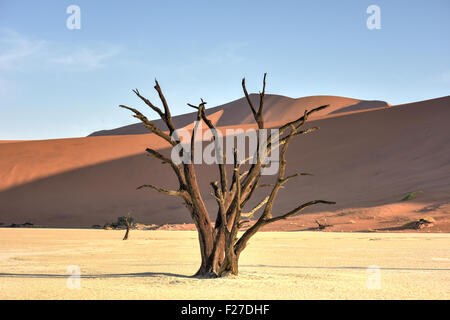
x,y
280,180
300,121
266,216
175,167
149,125
298,210
255,168
218,149
255,209
257,114
151,105
167,115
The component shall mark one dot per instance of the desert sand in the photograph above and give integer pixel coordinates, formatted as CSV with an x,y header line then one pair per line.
x,y
366,157
276,265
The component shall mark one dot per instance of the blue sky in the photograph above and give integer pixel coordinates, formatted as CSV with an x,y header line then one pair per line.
x,y
56,82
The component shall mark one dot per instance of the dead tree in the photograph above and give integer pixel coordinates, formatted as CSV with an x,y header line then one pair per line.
x,y
220,245
128,223
322,226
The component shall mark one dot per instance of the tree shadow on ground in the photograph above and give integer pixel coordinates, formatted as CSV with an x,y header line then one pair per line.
x,y
168,274
345,268
94,276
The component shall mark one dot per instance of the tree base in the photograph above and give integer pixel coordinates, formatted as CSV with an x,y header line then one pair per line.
x,y
210,273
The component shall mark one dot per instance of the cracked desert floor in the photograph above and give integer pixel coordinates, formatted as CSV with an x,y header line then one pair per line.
x,y
276,265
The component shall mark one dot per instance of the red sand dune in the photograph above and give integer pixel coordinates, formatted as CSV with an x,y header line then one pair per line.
x,y
277,108
365,160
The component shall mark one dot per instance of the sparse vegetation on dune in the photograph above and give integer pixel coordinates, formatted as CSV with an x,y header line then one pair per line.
x,y
419,223
411,195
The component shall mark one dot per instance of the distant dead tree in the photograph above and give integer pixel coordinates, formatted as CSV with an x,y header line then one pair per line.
x,y
321,226
220,245
128,221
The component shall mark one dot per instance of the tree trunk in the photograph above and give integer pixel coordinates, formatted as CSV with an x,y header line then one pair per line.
x,y
230,264
206,241
126,234
220,262
128,221
208,266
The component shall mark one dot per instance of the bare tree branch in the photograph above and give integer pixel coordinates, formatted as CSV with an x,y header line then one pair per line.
x,y
298,210
248,98
219,151
167,115
149,125
256,208
176,168
300,121
151,105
